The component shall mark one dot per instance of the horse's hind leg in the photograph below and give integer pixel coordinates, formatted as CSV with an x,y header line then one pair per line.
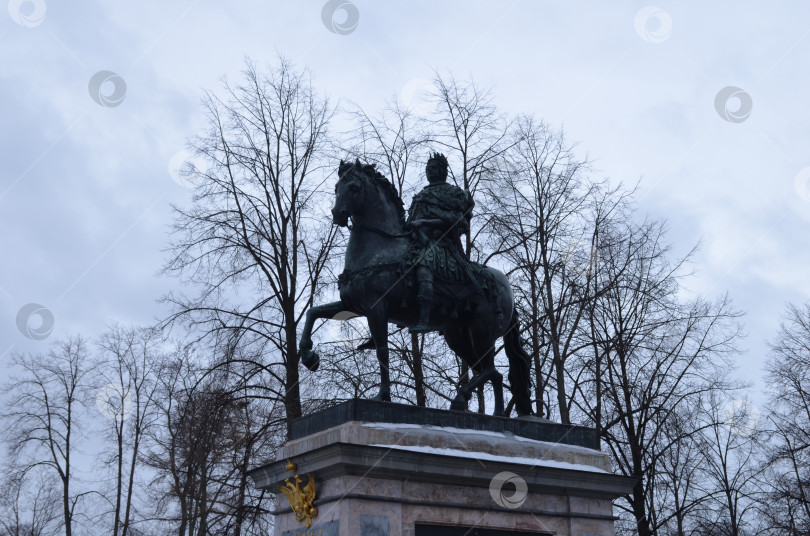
x,y
497,384
489,374
378,326
482,363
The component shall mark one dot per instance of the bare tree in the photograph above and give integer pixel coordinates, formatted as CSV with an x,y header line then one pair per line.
x,y
470,128
256,240
253,429
186,447
546,217
678,488
29,503
730,442
658,353
42,416
391,140
789,450
130,362
208,435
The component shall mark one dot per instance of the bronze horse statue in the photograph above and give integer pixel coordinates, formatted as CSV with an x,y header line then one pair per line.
x,y
377,284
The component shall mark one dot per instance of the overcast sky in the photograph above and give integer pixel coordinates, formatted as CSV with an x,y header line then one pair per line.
x,y
705,105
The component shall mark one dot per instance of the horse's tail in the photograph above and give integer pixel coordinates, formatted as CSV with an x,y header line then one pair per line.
x,y
519,367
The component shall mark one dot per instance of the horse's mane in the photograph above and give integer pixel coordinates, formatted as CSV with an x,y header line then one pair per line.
x,y
387,188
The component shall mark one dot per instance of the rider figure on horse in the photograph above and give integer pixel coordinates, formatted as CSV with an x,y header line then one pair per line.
x,y
437,218
477,304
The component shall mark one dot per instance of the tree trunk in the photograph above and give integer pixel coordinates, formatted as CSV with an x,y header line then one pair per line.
x,y
130,484
119,475
565,417
464,378
418,372
66,479
640,511
66,504
292,396
539,385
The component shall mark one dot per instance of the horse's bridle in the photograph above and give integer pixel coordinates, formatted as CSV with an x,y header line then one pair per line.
x,y
362,225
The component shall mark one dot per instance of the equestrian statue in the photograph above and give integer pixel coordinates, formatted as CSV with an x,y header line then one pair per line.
x,y
414,273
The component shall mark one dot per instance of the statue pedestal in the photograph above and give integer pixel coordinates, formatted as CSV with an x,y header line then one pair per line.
x,y
385,469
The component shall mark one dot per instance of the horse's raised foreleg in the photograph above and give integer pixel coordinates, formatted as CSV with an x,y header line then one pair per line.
x,y
310,359
378,326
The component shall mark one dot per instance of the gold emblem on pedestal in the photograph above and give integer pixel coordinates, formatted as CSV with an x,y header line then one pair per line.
x,y
300,499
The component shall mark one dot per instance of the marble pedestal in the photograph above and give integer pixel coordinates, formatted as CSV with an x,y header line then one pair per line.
x,y
385,469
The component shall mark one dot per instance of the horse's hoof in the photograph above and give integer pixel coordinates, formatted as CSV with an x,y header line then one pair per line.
x,y
310,359
383,396
499,410
458,405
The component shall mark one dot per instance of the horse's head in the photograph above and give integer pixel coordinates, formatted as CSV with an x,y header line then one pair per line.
x,y
350,192
362,191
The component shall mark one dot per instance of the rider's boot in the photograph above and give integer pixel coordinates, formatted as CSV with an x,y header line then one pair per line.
x,y
425,300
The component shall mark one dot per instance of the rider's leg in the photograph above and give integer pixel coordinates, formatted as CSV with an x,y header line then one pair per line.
x,y
424,298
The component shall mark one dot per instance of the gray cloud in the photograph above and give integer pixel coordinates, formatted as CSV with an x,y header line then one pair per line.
x,y
86,223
